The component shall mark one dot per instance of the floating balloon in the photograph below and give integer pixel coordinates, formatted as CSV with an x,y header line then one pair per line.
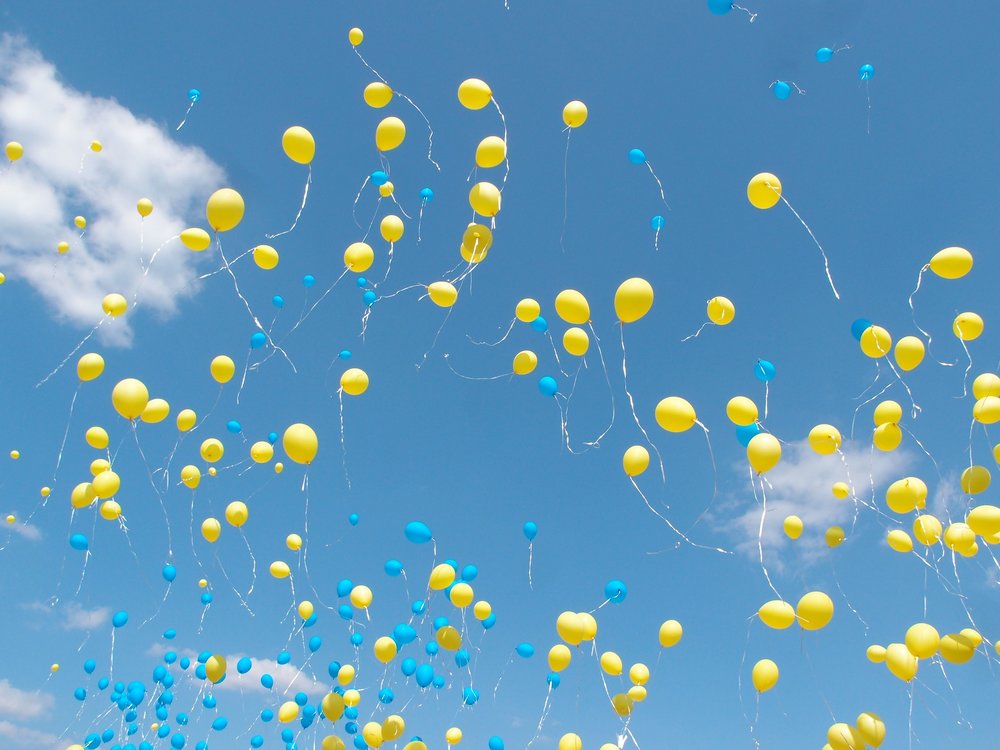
x,y
633,299
764,675
224,209
574,114
390,134
298,144
675,414
354,381
764,190
474,93
300,443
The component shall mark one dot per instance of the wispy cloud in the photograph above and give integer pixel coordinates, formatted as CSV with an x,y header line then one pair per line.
x,y
23,704
42,192
72,616
26,531
18,736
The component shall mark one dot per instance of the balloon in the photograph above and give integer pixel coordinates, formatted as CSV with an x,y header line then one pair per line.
x,y
674,414
887,412
114,305
389,134
657,223
484,197
359,256
899,541
764,371
298,144
83,495
721,311
764,675
525,650
442,576
222,368
671,633
377,95
224,209
454,735
89,366
237,513
763,452
169,573
834,536
530,530
984,520
96,147
741,411
212,450
842,736
442,293
449,638
196,239
987,410
633,299
539,324
887,437
866,72
157,409
825,439
900,661
129,397
975,479
144,207
265,257
927,529
300,443
80,222
871,728
210,529
525,362
215,668
14,151
906,495
776,614
574,114
951,263
570,742
354,381
491,151
191,476
782,90
528,309
106,484
461,595
355,36
824,54
636,156
474,93
385,649
573,307
720,7
391,228
417,532
968,326
119,619
957,648
477,239
79,542
792,527
814,610
922,640
559,657
764,190
615,591
62,248
639,674
548,386
576,341
635,461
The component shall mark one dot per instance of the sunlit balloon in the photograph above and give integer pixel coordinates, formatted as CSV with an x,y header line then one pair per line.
x,y
776,614
474,93
675,414
968,326
764,675
721,311
814,610
298,144
951,263
300,443
909,353
196,239
89,366
633,299
491,152
129,397
144,207
224,209
389,134
114,305
574,114
636,460
354,381
764,190
763,452
377,94
484,197
442,293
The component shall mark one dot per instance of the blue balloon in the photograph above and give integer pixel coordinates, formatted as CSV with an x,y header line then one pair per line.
x,y
540,324
553,679
159,673
79,542
287,735
169,573
525,650
438,681
357,639
177,741
379,178
308,280
859,326
119,618
615,591
530,530
315,643
267,681
469,573
782,90
244,665
362,282
866,72
345,611
234,427
344,587
209,701
258,340
351,712
345,354
90,665
404,633
720,7
426,195
548,386
418,607
746,433
495,743
657,223
194,95
353,519
393,568
470,696
408,667
266,715
170,634
823,54
764,371
636,156
301,698
256,741
369,298
102,683
204,656
350,727
80,694
432,648
284,657
490,621
359,742
201,672
92,741
440,622
272,437
461,658
278,301
182,719
185,662
385,696
108,735
333,668
417,532
206,598
424,675
201,745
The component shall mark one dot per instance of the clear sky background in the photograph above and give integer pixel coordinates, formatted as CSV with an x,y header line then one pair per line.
x,y
886,174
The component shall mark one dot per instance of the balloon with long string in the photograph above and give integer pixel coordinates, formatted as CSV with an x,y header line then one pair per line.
x,y
722,7
95,148
967,326
237,514
720,311
763,454
656,223
193,96
825,54
574,114
379,96
525,311
391,228
114,305
475,94
353,382
638,157
951,263
477,239
783,89
764,192
299,146
444,294
765,371
89,367
525,362
426,196
865,73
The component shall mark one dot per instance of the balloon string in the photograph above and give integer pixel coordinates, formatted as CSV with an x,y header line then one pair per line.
x,y
762,501
847,601
914,406
184,119
316,304
968,368
62,445
147,267
766,390
253,561
531,550
826,261
961,716
555,353
420,218
659,184
564,423
562,235
156,490
371,222
354,207
447,361
596,442
860,406
70,355
753,16
697,333
739,687
868,98
436,337
506,160
343,442
635,417
541,721
305,196
500,340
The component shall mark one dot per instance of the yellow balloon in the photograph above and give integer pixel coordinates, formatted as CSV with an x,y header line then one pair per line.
x,y
572,307
576,341
359,256
825,439
957,648
570,741
224,209
671,633
14,150
477,239
98,465
212,450
288,712
186,419
448,638
474,93
106,484
386,189
261,452
265,257
110,510
300,443
442,293
354,381
129,397
875,654
157,409
89,366
975,479
635,461
792,526
196,239
525,362
114,305
814,610
559,657
361,597
639,674
393,727
922,640
237,513
83,495
906,495
96,147
453,736
293,542
222,368
344,676
876,342
97,437
144,207
675,414
299,144
215,668
377,94
987,410
80,222
461,595
899,541
481,610
984,520
987,384
927,529
442,576
191,476
574,114
958,537
764,190
389,134
622,704
887,412
834,536
385,649
62,248
721,311
841,490
887,437
844,737
352,697
633,299
355,36
764,675
763,452
484,197
909,352
391,228
491,151
279,569
305,609
901,662
951,263
776,614
611,663
211,529
528,309
968,326
741,411
872,728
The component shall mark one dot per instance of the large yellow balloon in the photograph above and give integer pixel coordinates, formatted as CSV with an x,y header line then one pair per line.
x,y
97,437
461,595
389,134
300,443
900,661
899,541
984,520
210,529
393,727
887,412
442,293
261,452
635,461
887,437
975,479
721,311
442,576
89,366
491,151
355,36
288,712
474,93
453,736
528,309
224,209
106,484
574,114
114,305
391,228
987,410
298,144
572,307
196,239
764,190
237,513
448,638
957,648
776,614
927,529
385,649
212,450
872,728
576,341
834,536
525,362
361,597
671,633
559,657
825,439
332,706
186,419
157,409
484,197
843,736
14,150
83,495
906,495
611,663
968,326
922,640
377,94
191,476
909,352
876,342
675,414
265,257
215,668
633,299
764,675
222,368
763,452
354,381
129,397
987,384
570,741
741,411
952,262
814,610
359,256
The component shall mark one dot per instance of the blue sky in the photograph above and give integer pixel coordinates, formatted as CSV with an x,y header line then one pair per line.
x,y
476,459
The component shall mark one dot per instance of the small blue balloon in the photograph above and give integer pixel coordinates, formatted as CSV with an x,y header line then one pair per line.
x,y
272,437
720,7
359,742
344,587
333,668
657,223
308,280
470,696
553,679
244,665
636,156
267,681
385,696
379,178
490,621
201,672
408,667
369,298
108,735
540,324
79,542
866,72
284,657
469,573
764,371
357,639
234,427
345,612
438,681
350,727
301,698
525,650
209,701
440,622
353,519
393,568
92,741
80,694
461,658
859,326
404,633
278,301
256,741
206,598
89,666
182,719
746,433
287,735
102,683
426,195
266,715
185,662
177,741
345,354
418,607
204,656
258,340
158,674
119,618
495,743
432,648
530,530
417,532
424,675
194,95
201,745
548,386
169,573
170,634
362,282
824,54
615,591
782,90
315,643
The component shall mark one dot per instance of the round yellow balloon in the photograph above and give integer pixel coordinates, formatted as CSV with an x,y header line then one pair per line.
x,y
14,151
491,152
968,326
299,144
876,342
764,190
144,207
474,93
525,362
814,610
442,293
359,256
572,307
354,381
355,36
377,94
237,513
633,299
576,341
389,134
764,675
574,114
224,209
265,257
129,397
196,239
909,353
484,197
951,263
391,228
825,439
721,311
222,368
675,414
635,461
114,305
763,452
300,443
89,366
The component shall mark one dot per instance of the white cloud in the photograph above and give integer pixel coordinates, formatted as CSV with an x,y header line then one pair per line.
x,y
23,704
26,531
801,485
42,192
26,737
287,677
72,615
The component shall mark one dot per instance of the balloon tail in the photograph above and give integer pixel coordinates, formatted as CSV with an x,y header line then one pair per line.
x,y
354,207
635,417
913,315
531,553
564,422
562,235
739,687
447,361
185,118
243,379
388,267
878,374
826,261
306,313
673,528
762,501
914,406
555,353
546,707
399,206
656,240
596,442
697,333
968,369
156,490
766,393
343,441
305,196
962,721
62,445
506,161
253,562
371,222
753,16
503,671
659,184
77,348
420,219
436,337
715,484
836,580
499,340
868,98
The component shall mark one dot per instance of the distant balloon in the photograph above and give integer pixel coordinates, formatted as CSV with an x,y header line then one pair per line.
x,y
866,72
417,532
637,156
530,530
